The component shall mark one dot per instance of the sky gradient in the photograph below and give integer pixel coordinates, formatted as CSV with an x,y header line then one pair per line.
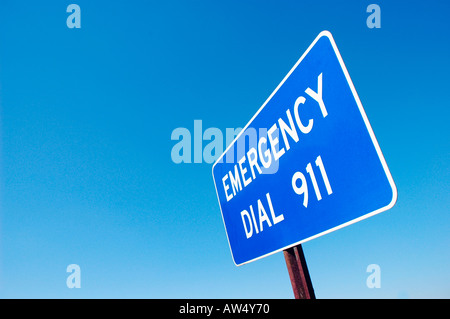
x,y
87,115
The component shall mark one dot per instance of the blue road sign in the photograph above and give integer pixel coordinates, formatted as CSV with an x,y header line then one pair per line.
x,y
306,164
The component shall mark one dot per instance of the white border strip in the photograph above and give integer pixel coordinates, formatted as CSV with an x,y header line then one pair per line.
x,y
369,129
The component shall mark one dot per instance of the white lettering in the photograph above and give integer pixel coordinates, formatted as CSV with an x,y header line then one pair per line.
x,y
303,129
243,171
289,129
318,96
226,187
274,142
235,180
248,231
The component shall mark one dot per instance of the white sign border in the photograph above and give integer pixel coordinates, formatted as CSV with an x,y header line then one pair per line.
x,y
327,34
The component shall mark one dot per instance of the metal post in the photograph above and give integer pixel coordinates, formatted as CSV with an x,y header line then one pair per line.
x,y
298,273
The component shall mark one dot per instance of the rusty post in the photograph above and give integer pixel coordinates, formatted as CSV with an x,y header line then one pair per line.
x,y
298,273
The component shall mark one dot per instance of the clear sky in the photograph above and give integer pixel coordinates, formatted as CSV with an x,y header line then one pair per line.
x,y
87,115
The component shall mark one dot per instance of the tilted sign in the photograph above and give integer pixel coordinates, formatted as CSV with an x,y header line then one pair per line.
x,y
306,164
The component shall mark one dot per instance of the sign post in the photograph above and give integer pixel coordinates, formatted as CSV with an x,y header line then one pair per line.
x,y
298,273
306,164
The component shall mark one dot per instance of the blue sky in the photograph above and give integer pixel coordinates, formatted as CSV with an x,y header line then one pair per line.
x,y
86,169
